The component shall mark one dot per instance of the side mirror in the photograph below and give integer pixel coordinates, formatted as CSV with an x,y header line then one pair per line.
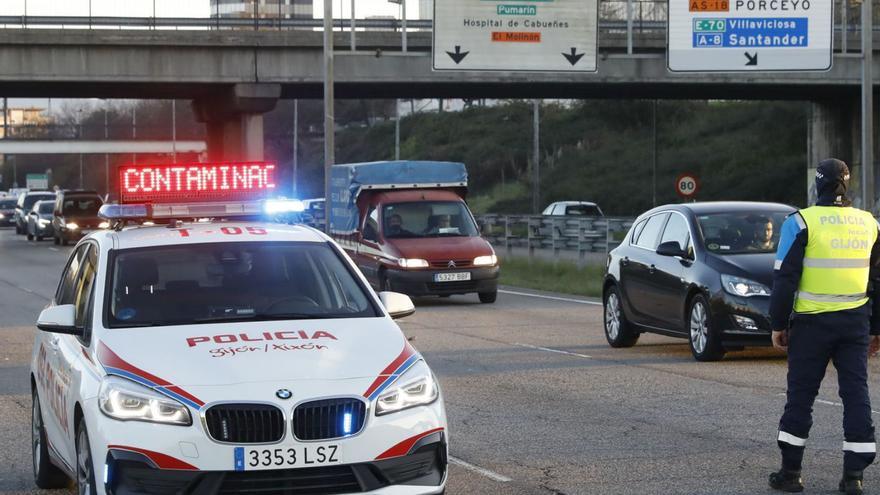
x,y
671,248
59,319
397,305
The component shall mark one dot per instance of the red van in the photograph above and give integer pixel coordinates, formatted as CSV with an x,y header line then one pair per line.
x,y
408,228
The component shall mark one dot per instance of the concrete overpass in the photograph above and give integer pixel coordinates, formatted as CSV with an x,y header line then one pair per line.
x,y
234,76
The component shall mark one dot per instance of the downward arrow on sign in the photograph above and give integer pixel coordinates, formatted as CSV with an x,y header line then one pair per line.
x,y
458,56
574,57
753,59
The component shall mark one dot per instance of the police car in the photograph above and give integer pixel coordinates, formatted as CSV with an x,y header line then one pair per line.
x,y
226,355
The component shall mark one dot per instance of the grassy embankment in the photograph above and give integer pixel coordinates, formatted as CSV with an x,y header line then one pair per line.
x,y
563,276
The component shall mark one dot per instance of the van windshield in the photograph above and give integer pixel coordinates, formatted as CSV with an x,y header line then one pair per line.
x,y
428,219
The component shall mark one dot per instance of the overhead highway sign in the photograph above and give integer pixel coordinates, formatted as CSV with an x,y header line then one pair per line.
x,y
515,35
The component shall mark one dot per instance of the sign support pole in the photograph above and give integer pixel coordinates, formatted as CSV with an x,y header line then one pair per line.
x,y
536,155
295,144
868,198
329,121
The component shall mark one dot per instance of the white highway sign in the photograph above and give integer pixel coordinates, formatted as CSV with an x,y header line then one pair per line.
x,y
516,35
749,35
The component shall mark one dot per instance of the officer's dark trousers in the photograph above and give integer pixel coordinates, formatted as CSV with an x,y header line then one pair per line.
x,y
842,338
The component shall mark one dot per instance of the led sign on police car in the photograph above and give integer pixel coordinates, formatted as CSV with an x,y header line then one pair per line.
x,y
196,182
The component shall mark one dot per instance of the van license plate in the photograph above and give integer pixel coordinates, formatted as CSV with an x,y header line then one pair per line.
x,y
452,277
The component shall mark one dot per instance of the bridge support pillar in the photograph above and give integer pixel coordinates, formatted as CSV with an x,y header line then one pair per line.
x,y
234,119
834,131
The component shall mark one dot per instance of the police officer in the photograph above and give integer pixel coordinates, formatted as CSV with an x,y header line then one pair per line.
x,y
826,255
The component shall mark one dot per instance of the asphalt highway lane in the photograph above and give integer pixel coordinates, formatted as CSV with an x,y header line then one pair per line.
x,y
537,401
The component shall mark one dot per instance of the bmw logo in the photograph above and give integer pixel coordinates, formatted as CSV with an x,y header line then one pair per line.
x,y
284,394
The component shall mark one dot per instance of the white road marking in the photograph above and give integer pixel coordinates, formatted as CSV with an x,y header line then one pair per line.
x,y
481,471
547,349
53,249
553,298
830,403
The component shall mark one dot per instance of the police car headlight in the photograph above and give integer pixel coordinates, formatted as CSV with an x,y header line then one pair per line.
x,y
412,263
127,401
486,260
416,387
743,287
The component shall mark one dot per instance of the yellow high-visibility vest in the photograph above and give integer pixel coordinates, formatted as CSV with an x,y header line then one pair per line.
x,y
837,260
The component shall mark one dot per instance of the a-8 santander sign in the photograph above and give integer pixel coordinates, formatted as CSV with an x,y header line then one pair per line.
x,y
749,35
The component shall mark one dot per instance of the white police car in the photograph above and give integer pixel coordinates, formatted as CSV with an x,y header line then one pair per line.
x,y
228,356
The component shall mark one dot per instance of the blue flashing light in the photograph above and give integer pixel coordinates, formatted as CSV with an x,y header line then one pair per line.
x,y
119,212
346,423
276,206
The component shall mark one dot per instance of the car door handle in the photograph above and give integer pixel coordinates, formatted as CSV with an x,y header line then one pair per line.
x,y
652,269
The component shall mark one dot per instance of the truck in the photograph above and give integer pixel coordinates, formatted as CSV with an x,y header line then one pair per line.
x,y
408,228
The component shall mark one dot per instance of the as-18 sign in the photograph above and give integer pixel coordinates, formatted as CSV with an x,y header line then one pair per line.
x,y
687,185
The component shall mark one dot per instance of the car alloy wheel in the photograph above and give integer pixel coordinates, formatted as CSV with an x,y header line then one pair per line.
x,y
85,476
699,327
36,434
612,316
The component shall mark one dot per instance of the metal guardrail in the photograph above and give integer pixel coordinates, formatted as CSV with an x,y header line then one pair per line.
x,y
581,234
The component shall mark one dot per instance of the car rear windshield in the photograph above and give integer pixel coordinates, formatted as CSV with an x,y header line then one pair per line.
x,y
31,199
81,206
428,219
742,232
209,283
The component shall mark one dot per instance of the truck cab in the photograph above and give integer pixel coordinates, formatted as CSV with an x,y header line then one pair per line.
x,y
407,226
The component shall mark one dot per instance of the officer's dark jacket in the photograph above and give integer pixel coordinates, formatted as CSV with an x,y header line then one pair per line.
x,y
792,246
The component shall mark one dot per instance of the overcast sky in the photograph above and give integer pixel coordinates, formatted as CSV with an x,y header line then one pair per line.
x,y
183,8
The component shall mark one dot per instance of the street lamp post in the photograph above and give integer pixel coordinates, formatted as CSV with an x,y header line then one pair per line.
x,y
329,121
868,198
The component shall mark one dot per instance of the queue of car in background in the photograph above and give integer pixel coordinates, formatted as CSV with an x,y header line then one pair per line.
x,y
39,220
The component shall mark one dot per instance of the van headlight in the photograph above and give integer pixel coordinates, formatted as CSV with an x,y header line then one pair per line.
x,y
127,401
72,226
486,260
412,263
104,225
743,287
416,387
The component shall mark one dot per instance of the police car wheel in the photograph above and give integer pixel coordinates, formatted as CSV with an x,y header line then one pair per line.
x,y
85,468
704,341
618,331
46,475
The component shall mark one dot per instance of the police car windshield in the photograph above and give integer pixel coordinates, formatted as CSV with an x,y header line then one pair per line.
x,y
209,283
428,219
751,232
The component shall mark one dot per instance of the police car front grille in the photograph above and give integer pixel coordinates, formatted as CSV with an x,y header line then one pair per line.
x,y
245,423
325,419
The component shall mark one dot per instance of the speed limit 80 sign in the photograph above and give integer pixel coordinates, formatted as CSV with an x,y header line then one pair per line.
x,y
687,185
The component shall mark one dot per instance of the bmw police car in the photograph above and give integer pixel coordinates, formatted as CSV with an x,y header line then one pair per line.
x,y
226,355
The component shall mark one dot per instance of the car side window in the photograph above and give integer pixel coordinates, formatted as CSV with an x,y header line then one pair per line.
x,y
84,285
676,230
636,230
371,225
66,289
559,209
650,234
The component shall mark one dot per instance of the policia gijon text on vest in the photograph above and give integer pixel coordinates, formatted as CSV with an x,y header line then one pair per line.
x,y
825,306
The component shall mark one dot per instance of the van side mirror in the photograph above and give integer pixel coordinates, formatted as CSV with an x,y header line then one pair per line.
x,y
59,319
671,248
397,305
